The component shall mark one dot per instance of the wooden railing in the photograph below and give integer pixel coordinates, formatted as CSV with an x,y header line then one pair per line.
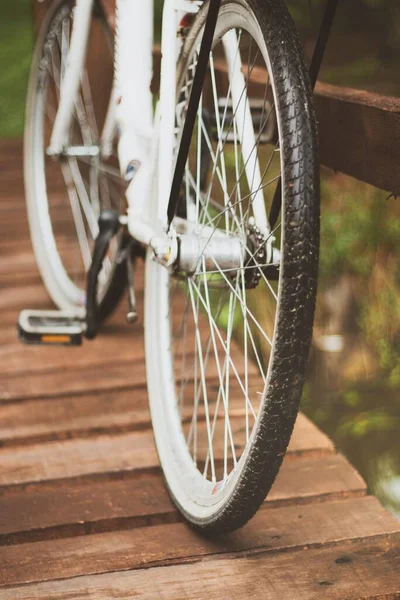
x,y
360,134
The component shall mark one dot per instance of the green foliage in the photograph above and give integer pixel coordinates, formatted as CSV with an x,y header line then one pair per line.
x,y
362,424
16,34
349,233
380,320
360,235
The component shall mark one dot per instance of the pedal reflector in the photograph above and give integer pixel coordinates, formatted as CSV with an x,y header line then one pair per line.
x,y
50,327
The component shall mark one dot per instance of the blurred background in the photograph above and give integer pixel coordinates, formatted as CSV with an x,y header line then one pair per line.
x,y
353,389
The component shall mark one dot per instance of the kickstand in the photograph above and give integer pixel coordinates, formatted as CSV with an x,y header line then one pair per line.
x,y
132,315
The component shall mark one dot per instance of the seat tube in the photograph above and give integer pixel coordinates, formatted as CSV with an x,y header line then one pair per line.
x,y
133,75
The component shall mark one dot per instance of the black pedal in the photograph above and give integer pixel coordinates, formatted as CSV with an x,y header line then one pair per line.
x,y
50,328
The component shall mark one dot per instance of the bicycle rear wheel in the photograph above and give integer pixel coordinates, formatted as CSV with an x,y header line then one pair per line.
x,y
227,352
66,195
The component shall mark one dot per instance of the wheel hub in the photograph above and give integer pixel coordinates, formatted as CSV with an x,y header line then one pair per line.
x,y
218,252
188,251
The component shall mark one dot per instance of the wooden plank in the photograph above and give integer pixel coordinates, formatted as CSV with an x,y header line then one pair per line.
x,y
18,358
114,412
12,200
118,375
308,440
132,549
14,226
355,571
358,131
329,476
14,147
81,371
117,339
77,457
17,261
18,269
109,411
80,506
109,453
15,247
31,296
316,479
359,134
76,505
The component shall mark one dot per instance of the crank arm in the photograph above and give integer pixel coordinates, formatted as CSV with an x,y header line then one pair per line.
x,y
108,227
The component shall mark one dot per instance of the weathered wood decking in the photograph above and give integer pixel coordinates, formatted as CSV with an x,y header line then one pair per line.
x,y
83,509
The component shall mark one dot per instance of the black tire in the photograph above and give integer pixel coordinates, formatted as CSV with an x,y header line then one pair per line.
x,y
298,278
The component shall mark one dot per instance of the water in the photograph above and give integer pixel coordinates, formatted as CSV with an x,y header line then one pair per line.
x,y
353,390
363,419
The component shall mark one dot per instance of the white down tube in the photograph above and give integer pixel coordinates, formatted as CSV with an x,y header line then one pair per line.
x,y
134,111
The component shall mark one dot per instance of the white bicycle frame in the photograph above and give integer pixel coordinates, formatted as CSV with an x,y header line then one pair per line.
x,y
146,142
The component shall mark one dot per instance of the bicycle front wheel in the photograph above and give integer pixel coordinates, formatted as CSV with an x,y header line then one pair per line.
x,y
227,351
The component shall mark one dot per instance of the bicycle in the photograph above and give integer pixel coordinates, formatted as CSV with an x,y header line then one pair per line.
x,y
217,189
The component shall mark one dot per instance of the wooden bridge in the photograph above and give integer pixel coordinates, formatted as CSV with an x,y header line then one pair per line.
x,y
83,509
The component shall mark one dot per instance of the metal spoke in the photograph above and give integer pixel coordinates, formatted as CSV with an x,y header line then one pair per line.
x,y
203,380
207,344
83,197
219,134
257,324
216,329
227,430
218,198
198,170
217,219
77,215
223,390
184,322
